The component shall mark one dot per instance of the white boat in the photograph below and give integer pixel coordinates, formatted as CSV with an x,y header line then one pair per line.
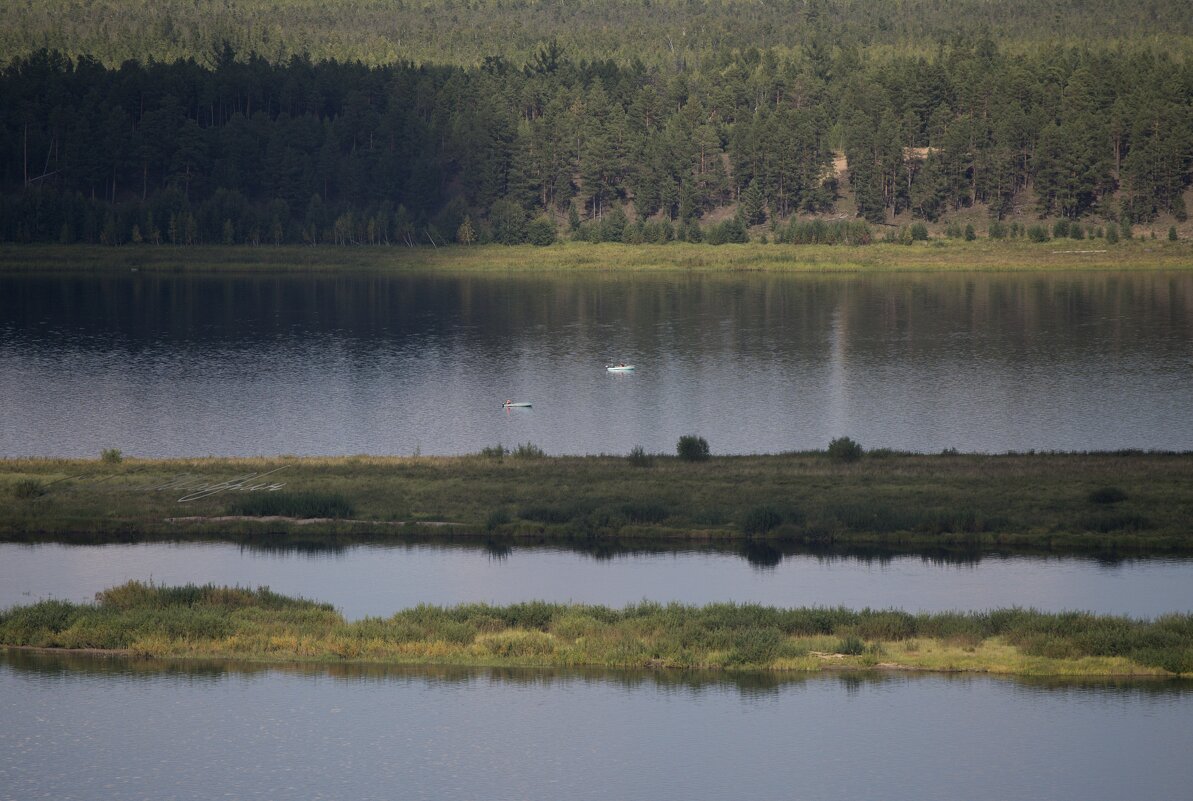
x,y
619,368
511,405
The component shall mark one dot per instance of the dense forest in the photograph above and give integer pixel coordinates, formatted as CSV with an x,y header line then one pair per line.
x,y
703,143
674,33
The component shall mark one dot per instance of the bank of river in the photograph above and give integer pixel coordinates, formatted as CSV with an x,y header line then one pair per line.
x,y
949,255
1054,502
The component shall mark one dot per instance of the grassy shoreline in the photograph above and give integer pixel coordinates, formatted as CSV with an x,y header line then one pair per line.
x,y
232,623
1130,503
580,257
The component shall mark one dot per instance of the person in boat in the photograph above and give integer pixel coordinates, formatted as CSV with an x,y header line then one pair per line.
x,y
508,402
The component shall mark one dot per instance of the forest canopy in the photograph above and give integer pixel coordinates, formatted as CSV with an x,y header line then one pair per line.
x,y
657,141
656,32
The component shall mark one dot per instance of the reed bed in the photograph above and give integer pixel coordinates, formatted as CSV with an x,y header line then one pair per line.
x,y
223,622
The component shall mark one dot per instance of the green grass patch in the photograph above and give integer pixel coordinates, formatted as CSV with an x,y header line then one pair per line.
x,y
905,501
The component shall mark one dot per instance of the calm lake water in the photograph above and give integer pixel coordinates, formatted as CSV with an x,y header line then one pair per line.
x,y
374,580
173,365
81,728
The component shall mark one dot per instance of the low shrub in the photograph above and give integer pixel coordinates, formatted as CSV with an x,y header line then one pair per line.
x,y
541,232
528,451
761,519
692,448
1116,521
820,232
28,488
497,452
292,504
496,518
1107,495
644,512
640,458
111,456
851,645
845,450
549,514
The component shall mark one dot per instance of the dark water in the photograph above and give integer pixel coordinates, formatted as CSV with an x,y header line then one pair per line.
x,y
162,365
370,580
109,729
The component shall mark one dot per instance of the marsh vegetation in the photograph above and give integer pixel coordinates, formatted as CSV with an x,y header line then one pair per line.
x,y
222,622
1129,501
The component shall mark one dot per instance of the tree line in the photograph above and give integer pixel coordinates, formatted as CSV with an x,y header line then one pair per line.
x,y
247,150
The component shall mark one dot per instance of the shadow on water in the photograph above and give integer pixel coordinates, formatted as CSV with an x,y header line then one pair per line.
x,y
746,683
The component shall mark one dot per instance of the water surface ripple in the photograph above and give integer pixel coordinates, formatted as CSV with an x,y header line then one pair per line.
x,y
78,729
237,364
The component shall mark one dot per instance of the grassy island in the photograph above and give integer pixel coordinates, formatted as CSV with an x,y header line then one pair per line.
x,y
1126,502
940,255
219,622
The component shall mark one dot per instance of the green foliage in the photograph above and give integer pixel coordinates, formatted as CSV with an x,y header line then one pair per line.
x,y
496,519
762,519
639,457
1172,233
1107,495
644,512
997,230
1116,521
728,232
111,456
541,513
232,621
821,232
528,450
970,235
508,221
28,488
292,504
434,136
496,452
1060,229
844,449
1112,234
541,232
1037,233
851,645
692,448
